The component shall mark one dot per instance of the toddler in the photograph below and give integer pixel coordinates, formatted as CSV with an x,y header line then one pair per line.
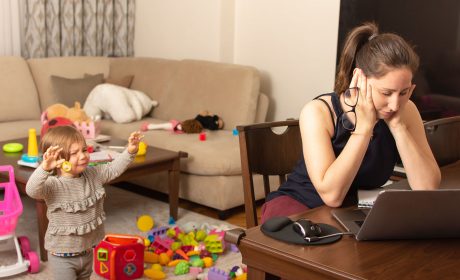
x,y
75,196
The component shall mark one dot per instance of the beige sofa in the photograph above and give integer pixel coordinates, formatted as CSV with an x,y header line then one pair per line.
x,y
211,175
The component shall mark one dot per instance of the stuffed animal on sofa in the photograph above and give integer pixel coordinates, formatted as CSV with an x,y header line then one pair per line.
x,y
203,120
118,103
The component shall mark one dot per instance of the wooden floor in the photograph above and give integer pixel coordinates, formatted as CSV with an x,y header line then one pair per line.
x,y
235,217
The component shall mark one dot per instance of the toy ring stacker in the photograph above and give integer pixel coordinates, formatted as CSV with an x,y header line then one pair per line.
x,y
66,166
13,147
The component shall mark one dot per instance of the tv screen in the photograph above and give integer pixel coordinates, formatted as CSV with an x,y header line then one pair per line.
x,y
433,28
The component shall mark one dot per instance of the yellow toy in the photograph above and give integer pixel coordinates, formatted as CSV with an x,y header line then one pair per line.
x,y
142,149
154,274
145,223
66,166
32,148
150,257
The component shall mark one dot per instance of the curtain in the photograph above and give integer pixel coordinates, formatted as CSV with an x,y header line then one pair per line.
x,y
10,43
78,28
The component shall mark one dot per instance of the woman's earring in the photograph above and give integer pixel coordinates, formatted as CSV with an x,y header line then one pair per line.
x,y
66,166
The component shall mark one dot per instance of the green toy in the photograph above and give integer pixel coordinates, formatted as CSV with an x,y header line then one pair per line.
x,y
13,147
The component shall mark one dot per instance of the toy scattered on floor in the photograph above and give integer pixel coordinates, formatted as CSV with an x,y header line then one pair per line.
x,y
31,158
10,210
235,132
203,120
145,223
119,257
202,136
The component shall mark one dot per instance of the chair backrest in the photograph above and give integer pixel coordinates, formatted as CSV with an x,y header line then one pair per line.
x,y
266,151
444,138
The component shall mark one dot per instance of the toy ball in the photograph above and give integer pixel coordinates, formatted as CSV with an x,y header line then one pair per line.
x,y
13,147
145,223
66,166
142,149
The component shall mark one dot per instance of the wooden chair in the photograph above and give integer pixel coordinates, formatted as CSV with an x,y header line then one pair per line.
x,y
444,138
267,153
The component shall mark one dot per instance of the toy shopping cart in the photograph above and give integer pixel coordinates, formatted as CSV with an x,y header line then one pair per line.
x,y
10,210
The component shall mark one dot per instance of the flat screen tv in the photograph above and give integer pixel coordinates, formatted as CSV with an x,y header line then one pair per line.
x,y
433,28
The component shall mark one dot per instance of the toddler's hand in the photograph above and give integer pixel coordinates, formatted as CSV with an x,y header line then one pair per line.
x,y
133,142
51,159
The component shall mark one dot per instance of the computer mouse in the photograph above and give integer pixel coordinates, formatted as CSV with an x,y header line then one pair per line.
x,y
276,223
306,228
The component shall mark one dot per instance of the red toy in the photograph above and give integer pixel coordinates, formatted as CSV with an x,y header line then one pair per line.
x,y
120,257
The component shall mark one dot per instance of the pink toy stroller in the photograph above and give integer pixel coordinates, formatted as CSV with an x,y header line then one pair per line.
x,y
10,210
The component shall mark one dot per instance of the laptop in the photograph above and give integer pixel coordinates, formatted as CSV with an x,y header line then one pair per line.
x,y
405,214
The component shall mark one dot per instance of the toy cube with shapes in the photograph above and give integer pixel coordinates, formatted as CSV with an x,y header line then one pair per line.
x,y
120,257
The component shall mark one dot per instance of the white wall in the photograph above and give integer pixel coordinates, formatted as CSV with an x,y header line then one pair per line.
x,y
293,43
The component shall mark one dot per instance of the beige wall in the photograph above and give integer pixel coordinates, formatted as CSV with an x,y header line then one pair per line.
x,y
293,43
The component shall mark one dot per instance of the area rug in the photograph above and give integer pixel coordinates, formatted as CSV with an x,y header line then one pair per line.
x,y
122,208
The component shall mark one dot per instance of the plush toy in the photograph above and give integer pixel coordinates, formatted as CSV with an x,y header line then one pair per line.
x,y
118,103
59,115
204,120
75,114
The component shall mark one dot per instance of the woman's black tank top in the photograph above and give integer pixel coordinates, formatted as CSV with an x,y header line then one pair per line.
x,y
375,170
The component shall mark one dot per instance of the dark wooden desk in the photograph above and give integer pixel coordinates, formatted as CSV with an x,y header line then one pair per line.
x,y
350,259
155,160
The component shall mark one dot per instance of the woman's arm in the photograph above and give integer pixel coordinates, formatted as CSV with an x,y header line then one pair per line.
x,y
331,176
421,168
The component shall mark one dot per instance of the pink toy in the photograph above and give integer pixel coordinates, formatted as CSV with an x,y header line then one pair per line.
x,y
10,210
89,130
119,257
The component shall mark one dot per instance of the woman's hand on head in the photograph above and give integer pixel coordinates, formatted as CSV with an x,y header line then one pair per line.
x,y
396,120
133,142
366,114
51,158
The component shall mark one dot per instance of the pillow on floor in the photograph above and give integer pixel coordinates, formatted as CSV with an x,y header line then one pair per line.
x,y
118,103
67,91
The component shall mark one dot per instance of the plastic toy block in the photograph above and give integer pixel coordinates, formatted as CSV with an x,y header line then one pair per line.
x,y
235,132
158,231
213,244
171,221
217,274
234,248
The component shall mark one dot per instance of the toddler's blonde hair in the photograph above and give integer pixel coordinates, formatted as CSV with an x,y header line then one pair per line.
x,y
64,137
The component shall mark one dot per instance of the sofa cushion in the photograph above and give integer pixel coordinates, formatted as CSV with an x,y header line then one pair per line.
x,y
18,129
230,91
19,94
68,91
69,67
218,155
151,75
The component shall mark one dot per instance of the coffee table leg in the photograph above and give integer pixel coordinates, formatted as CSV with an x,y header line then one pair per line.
x,y
42,226
173,181
256,274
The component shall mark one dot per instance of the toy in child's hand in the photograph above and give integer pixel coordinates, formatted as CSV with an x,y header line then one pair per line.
x,y
204,120
66,166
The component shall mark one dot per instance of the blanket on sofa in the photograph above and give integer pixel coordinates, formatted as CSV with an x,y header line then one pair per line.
x,y
121,104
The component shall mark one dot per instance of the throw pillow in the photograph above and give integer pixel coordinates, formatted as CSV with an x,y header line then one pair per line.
x,y
124,81
67,91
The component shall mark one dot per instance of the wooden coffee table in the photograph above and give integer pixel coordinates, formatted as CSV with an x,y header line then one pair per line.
x,y
155,160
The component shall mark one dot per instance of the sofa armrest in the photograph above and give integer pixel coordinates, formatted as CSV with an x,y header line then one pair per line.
x,y
262,108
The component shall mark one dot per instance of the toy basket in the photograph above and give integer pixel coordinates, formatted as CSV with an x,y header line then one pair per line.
x,y
10,203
